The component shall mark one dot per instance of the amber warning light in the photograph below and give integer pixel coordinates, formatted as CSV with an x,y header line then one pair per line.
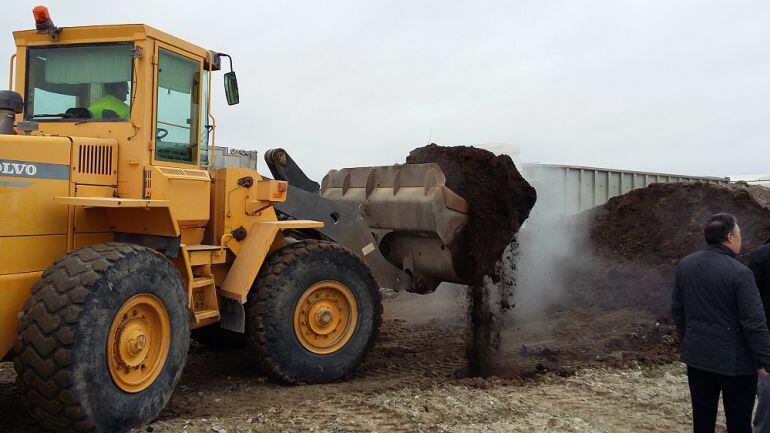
x,y
43,22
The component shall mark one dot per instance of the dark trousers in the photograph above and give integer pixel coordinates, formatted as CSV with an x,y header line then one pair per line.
x,y
737,398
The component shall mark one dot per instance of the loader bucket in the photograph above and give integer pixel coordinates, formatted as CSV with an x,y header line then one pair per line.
x,y
415,220
401,220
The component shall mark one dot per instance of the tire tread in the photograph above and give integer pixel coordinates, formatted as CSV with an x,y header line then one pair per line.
x,y
265,288
45,337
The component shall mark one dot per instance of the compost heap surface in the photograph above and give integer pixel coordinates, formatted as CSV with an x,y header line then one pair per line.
x,y
499,200
644,234
615,305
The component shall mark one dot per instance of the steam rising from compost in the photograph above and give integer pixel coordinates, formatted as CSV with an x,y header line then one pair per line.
x,y
552,248
534,276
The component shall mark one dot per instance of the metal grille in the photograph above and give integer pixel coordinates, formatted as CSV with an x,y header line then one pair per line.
x,y
95,159
147,182
184,172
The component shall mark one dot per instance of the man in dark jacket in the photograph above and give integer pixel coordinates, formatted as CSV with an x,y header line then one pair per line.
x,y
724,337
759,263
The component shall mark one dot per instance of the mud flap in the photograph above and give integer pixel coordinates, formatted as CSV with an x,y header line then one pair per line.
x,y
232,315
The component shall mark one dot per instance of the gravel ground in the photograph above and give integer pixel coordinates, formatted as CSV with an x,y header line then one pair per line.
x,y
641,400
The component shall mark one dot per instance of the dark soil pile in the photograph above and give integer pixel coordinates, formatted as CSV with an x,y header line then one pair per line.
x,y
499,201
499,198
639,238
662,223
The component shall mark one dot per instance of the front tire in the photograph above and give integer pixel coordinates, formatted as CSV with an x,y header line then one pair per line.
x,y
103,339
313,313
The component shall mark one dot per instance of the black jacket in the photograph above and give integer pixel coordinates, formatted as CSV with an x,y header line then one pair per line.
x,y
719,314
759,263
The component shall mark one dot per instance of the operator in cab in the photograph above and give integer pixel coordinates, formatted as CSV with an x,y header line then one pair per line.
x,y
112,105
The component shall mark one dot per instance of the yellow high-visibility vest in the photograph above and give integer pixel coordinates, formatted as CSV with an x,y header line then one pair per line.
x,y
109,102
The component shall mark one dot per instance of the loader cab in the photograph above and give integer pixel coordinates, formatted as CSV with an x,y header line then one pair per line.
x,y
146,89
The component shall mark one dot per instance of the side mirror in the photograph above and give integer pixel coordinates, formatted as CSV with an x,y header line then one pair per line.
x,y
231,88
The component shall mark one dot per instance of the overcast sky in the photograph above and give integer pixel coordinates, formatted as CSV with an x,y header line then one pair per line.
x,y
669,86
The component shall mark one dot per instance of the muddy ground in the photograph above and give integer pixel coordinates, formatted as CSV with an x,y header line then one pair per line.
x,y
413,381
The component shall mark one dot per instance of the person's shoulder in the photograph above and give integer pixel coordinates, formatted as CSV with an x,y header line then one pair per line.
x,y
689,261
707,255
697,255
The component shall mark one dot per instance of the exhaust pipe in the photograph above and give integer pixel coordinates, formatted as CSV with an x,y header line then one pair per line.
x,y
11,104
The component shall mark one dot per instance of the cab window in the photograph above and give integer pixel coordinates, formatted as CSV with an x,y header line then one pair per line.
x,y
176,130
73,83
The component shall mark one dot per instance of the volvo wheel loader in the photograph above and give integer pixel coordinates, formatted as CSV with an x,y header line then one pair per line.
x,y
118,236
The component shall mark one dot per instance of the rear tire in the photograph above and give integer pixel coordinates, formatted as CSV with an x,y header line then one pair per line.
x,y
65,371
306,280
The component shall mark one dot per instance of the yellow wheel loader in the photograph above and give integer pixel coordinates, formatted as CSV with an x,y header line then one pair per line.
x,y
119,235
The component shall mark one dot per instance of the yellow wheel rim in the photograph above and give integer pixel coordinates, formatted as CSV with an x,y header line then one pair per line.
x,y
138,343
325,317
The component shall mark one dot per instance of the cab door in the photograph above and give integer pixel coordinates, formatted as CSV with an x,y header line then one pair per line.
x,y
176,173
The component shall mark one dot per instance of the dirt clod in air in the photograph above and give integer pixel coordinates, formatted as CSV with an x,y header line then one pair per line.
x,y
499,200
